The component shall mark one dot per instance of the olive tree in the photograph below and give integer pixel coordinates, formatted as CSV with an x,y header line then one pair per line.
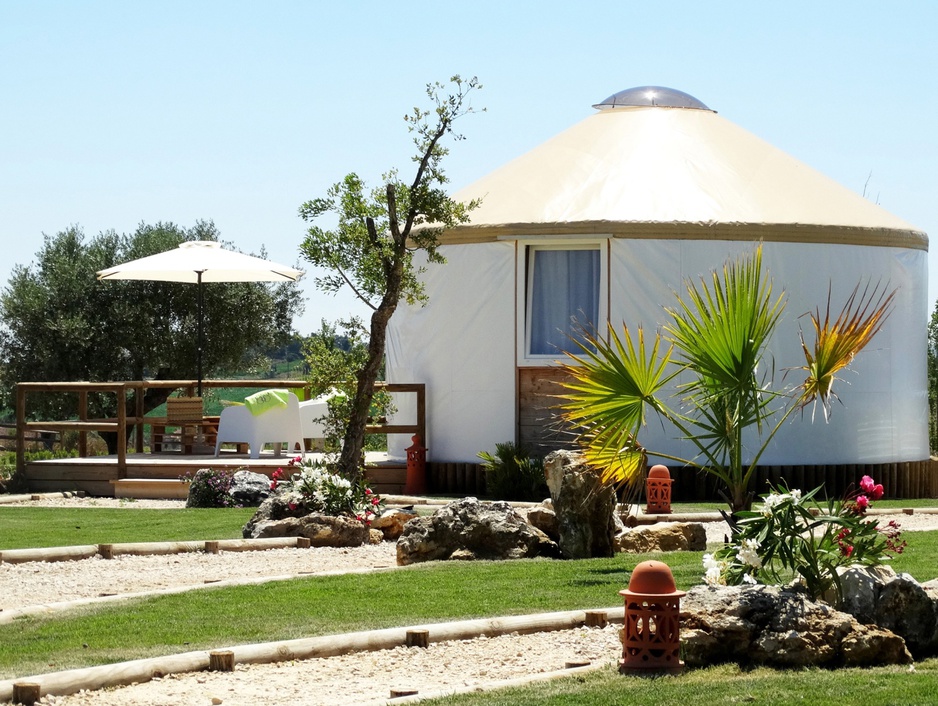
x,y
58,323
370,248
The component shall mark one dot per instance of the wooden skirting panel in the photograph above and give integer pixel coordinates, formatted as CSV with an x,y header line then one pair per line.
x,y
456,478
916,479
912,479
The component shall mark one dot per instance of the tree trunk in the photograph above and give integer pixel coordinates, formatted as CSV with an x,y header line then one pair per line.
x,y
351,462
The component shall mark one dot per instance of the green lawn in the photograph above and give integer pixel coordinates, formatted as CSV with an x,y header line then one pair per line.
x,y
725,684
219,617
34,527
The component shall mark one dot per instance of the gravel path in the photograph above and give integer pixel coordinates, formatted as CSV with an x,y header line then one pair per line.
x,y
349,679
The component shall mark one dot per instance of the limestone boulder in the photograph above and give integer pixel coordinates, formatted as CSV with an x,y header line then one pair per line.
x,y
470,529
765,625
276,507
585,508
896,602
332,531
663,537
543,517
249,489
391,522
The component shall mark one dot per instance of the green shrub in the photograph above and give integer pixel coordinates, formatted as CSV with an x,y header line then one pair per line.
x,y
209,487
513,474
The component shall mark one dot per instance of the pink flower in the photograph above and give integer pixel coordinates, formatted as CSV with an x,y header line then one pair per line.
x,y
863,502
368,491
867,484
277,475
877,491
375,500
273,485
846,550
292,506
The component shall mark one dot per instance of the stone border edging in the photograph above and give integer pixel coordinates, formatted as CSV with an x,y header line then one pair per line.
x,y
142,670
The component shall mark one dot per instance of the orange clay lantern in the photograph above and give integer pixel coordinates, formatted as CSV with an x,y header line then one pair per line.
x,y
658,491
416,483
651,637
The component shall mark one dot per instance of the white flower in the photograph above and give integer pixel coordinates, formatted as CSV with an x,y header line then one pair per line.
x,y
748,554
750,579
796,496
713,570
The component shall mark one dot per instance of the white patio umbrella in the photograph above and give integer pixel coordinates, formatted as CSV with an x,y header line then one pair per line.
x,y
197,262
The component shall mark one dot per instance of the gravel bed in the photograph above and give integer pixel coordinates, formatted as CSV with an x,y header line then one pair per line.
x,y
368,677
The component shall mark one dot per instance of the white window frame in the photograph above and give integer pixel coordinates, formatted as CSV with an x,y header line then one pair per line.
x,y
524,295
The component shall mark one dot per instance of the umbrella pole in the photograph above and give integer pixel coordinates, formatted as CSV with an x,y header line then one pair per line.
x,y
199,274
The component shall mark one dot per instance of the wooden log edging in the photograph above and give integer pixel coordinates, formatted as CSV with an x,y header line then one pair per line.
x,y
142,670
109,551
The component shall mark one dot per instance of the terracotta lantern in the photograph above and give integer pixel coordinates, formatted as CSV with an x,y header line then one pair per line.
x,y
416,483
658,491
651,637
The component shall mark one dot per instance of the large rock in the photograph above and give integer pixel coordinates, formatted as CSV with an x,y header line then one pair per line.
x,y
767,625
391,522
585,508
543,517
321,530
877,595
276,507
469,529
249,489
663,537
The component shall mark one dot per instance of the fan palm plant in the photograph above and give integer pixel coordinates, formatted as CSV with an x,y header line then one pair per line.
x,y
718,335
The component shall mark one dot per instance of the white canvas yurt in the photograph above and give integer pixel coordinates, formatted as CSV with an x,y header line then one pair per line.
x,y
605,222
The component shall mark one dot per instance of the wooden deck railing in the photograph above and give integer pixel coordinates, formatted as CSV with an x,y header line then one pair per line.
x,y
139,387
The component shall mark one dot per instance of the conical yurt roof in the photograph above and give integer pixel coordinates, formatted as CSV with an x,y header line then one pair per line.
x,y
655,162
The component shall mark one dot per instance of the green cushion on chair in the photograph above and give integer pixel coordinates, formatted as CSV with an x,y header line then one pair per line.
x,y
260,402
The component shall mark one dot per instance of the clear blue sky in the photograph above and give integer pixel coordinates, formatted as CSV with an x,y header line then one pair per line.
x,y
116,113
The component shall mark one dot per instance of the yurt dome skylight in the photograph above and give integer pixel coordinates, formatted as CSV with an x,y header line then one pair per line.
x,y
651,96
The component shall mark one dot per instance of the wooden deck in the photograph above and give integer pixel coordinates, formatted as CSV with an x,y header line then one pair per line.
x,y
158,475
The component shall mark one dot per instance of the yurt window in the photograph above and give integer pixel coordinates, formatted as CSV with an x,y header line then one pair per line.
x,y
563,297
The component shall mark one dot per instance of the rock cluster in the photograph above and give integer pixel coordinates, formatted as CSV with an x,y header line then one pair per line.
x,y
469,529
779,627
279,517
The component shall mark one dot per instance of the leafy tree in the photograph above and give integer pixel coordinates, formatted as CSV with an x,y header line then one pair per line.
x,y
371,248
58,323
720,332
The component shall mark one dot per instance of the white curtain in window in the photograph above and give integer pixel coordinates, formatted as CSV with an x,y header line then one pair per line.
x,y
564,297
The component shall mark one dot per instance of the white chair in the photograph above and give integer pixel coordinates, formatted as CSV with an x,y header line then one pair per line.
x,y
312,414
274,426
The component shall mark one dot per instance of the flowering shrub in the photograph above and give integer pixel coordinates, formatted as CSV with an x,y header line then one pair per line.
x,y
209,487
790,537
315,488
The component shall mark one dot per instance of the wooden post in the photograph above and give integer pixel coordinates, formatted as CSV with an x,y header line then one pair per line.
x,y
596,619
221,661
122,432
417,638
20,429
25,692
398,691
211,547
82,416
138,413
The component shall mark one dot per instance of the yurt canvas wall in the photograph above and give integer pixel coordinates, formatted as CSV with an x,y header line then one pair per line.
x,y
638,199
